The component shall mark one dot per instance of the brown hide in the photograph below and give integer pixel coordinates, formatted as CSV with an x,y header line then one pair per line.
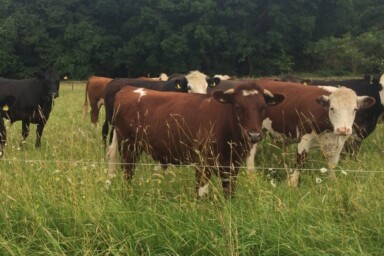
x,y
299,109
182,128
95,91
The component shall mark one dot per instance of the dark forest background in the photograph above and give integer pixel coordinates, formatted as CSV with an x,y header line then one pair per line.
x,y
127,38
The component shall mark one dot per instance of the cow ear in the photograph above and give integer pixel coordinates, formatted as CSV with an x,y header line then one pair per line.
x,y
275,100
323,101
212,82
181,84
365,102
7,102
222,97
216,81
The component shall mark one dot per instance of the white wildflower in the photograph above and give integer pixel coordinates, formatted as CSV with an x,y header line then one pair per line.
x,y
273,183
323,170
107,184
343,172
319,180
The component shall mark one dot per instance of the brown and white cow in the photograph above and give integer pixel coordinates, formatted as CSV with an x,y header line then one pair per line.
x,y
174,128
312,116
95,91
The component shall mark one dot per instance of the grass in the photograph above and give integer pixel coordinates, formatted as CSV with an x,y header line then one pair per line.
x,y
54,201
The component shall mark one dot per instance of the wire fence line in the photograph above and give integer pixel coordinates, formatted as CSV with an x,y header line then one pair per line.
x,y
158,165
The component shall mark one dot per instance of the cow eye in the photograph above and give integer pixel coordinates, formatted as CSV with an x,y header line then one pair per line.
x,y
332,109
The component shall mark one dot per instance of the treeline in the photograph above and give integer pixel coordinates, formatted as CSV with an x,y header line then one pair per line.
x,y
120,38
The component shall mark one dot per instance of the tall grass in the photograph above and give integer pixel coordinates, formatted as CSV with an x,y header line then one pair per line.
x,y
54,201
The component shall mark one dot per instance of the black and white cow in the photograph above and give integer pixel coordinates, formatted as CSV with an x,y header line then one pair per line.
x,y
33,102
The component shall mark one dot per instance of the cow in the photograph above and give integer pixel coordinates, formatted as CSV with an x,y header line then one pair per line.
x,y
312,116
197,81
367,118
34,99
177,85
5,103
95,91
166,126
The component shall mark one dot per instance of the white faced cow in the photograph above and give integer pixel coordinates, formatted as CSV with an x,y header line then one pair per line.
x,y
312,116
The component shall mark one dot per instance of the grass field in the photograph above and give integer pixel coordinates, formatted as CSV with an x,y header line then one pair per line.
x,y
53,201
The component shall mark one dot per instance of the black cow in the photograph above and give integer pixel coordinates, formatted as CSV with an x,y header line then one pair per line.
x,y
33,102
112,88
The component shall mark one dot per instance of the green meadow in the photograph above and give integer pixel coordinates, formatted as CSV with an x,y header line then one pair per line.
x,y
54,200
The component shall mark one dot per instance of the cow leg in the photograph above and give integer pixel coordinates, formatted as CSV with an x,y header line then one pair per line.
x,y
302,149
130,157
24,131
39,133
251,160
3,136
228,177
94,113
104,132
202,181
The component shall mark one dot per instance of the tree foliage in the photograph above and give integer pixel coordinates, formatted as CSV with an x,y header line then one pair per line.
x,y
119,38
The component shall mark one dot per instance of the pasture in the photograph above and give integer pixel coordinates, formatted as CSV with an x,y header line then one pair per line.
x,y
54,200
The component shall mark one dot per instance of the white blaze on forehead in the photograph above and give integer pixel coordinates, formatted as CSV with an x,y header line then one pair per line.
x,y
197,82
382,89
249,92
342,106
140,91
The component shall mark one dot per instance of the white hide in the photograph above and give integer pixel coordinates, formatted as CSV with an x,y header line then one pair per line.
x,y
140,91
223,77
197,82
204,190
251,159
163,77
382,89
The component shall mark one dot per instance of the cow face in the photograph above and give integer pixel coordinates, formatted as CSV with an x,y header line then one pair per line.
x,y
52,81
342,105
199,82
249,103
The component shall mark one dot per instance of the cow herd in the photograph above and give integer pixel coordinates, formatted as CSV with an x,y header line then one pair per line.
x,y
211,123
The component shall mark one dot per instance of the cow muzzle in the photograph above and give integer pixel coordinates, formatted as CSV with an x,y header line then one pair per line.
x,y
343,131
255,137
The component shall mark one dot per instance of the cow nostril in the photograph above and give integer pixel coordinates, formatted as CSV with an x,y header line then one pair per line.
x,y
255,136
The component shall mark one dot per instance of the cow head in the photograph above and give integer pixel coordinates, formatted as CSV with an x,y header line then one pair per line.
x,y
52,82
199,82
249,102
342,105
